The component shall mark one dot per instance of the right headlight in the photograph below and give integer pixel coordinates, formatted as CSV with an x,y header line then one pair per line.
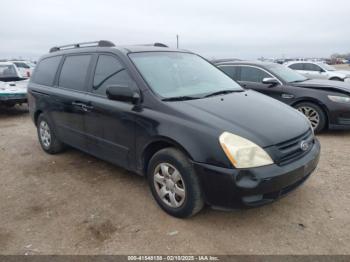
x,y
242,152
340,99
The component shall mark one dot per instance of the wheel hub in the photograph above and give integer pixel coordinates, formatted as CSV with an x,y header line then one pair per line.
x,y
169,185
45,134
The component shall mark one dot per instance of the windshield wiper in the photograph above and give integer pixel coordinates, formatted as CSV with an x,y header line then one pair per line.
x,y
222,92
180,98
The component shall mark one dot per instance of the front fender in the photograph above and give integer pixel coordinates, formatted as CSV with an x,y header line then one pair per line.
x,y
198,141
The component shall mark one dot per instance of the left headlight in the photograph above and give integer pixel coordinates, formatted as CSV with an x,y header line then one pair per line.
x,y
340,99
242,152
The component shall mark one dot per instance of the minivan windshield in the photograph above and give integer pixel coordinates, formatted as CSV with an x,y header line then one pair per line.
x,y
176,75
286,74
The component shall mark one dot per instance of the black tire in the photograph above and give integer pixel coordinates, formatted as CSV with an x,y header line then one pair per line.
x,y
55,145
193,201
322,115
336,79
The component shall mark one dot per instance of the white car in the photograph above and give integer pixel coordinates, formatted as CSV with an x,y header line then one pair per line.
x,y
24,67
319,70
13,87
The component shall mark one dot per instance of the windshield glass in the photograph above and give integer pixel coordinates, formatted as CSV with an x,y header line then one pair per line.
x,y
327,67
286,74
175,74
7,71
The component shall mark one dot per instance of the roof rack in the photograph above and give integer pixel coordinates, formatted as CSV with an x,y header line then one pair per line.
x,y
156,44
101,43
160,45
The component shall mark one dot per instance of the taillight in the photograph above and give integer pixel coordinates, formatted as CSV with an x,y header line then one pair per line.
x,y
28,73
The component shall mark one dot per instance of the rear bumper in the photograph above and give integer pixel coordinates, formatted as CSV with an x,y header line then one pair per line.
x,y
233,188
13,98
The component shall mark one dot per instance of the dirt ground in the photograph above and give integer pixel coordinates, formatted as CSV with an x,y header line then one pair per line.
x,y
72,203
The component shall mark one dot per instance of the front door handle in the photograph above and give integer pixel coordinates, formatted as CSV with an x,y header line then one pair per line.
x,y
86,107
77,103
83,106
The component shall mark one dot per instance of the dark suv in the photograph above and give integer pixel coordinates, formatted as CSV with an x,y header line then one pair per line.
x,y
172,116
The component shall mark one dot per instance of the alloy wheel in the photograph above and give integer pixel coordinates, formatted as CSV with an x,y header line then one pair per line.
x,y
311,114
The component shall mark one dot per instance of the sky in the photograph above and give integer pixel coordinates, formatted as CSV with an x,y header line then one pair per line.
x,y
245,29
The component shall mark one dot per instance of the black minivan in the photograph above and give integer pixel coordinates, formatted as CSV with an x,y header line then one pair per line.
x,y
172,116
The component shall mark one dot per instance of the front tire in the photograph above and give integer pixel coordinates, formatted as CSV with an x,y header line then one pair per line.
x,y
315,114
174,183
47,138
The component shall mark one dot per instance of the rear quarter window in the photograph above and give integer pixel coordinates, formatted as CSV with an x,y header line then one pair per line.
x,y
46,70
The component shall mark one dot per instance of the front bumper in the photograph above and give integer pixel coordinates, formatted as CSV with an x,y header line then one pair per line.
x,y
234,188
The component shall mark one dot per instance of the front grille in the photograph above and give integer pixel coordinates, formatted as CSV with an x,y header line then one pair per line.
x,y
291,150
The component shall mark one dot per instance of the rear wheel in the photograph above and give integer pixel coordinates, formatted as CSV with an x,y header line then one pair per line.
x,y
47,138
315,114
174,183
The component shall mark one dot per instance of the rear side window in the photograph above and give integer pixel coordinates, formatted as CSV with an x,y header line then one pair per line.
x,y
311,67
231,71
46,70
251,74
109,71
74,72
21,65
298,66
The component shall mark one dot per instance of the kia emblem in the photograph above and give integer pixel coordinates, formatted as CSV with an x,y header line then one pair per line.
x,y
304,145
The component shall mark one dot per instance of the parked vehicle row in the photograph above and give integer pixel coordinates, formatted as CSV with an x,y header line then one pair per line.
x,y
170,115
325,103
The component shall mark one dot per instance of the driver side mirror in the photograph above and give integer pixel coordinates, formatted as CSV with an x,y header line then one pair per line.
x,y
123,93
270,81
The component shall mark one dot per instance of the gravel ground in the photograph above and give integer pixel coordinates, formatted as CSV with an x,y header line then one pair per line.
x,y
72,203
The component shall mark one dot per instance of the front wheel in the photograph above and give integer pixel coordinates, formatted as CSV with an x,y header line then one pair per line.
x,y
174,183
315,114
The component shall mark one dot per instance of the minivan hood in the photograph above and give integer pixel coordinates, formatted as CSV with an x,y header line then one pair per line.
x,y
249,114
324,84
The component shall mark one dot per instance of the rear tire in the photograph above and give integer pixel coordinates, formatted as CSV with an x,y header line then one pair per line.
x,y
47,138
174,183
314,113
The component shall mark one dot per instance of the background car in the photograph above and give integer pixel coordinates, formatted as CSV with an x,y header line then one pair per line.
x,y
24,67
319,70
10,72
325,103
13,87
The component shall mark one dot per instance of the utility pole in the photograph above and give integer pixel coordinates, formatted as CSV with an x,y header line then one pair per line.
x,y
177,41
